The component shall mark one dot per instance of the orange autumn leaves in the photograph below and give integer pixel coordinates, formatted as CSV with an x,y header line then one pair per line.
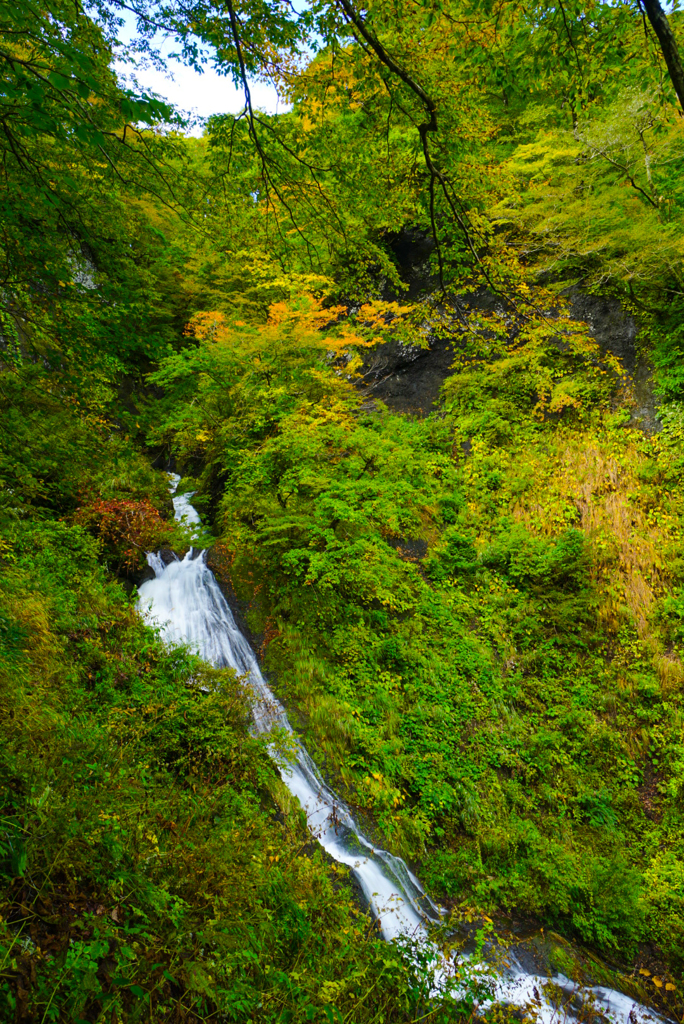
x,y
336,330
128,528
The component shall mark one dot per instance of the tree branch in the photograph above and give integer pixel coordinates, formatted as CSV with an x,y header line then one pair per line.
x,y
668,45
251,121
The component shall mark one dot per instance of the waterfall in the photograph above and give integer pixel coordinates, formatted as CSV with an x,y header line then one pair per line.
x,y
185,602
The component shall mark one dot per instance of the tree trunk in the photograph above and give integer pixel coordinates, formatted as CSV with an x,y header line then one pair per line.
x,y
668,44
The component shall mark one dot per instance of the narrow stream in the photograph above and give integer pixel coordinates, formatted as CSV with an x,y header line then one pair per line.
x,y
186,603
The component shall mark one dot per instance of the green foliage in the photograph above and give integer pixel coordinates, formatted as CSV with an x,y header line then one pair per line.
x,y
599,201
460,697
668,352
456,556
540,565
144,869
664,879
59,446
79,162
475,616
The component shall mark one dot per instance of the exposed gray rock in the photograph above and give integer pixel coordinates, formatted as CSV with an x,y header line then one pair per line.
x,y
408,378
614,329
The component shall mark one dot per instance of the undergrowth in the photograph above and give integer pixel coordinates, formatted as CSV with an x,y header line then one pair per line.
x,y
147,872
478,615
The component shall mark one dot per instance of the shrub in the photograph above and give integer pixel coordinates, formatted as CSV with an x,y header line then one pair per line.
x,y
127,528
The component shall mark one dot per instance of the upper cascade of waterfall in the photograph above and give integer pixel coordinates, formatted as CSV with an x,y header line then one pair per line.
x,y
186,603
183,510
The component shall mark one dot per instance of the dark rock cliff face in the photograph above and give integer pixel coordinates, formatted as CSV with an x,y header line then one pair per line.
x,y
408,379
616,331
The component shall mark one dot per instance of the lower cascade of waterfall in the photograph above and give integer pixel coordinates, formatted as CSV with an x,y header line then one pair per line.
x,y
185,602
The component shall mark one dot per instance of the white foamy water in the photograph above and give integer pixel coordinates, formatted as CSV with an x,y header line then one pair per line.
x,y
186,603
183,510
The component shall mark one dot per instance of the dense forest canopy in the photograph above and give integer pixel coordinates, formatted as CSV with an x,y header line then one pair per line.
x,y
470,599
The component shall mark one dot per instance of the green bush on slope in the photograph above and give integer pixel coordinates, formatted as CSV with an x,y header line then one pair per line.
x,y
145,870
468,617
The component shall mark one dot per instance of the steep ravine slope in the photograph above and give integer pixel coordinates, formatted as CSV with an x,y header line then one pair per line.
x,y
509,715
184,599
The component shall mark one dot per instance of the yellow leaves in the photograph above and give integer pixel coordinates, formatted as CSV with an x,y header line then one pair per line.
x,y
562,397
278,313
332,990
658,982
469,914
544,158
381,793
296,326
152,839
209,326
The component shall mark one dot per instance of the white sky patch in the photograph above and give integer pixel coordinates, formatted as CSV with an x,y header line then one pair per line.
x,y
200,94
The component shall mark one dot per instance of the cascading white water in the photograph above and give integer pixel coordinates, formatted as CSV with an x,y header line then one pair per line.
x,y
186,603
185,599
